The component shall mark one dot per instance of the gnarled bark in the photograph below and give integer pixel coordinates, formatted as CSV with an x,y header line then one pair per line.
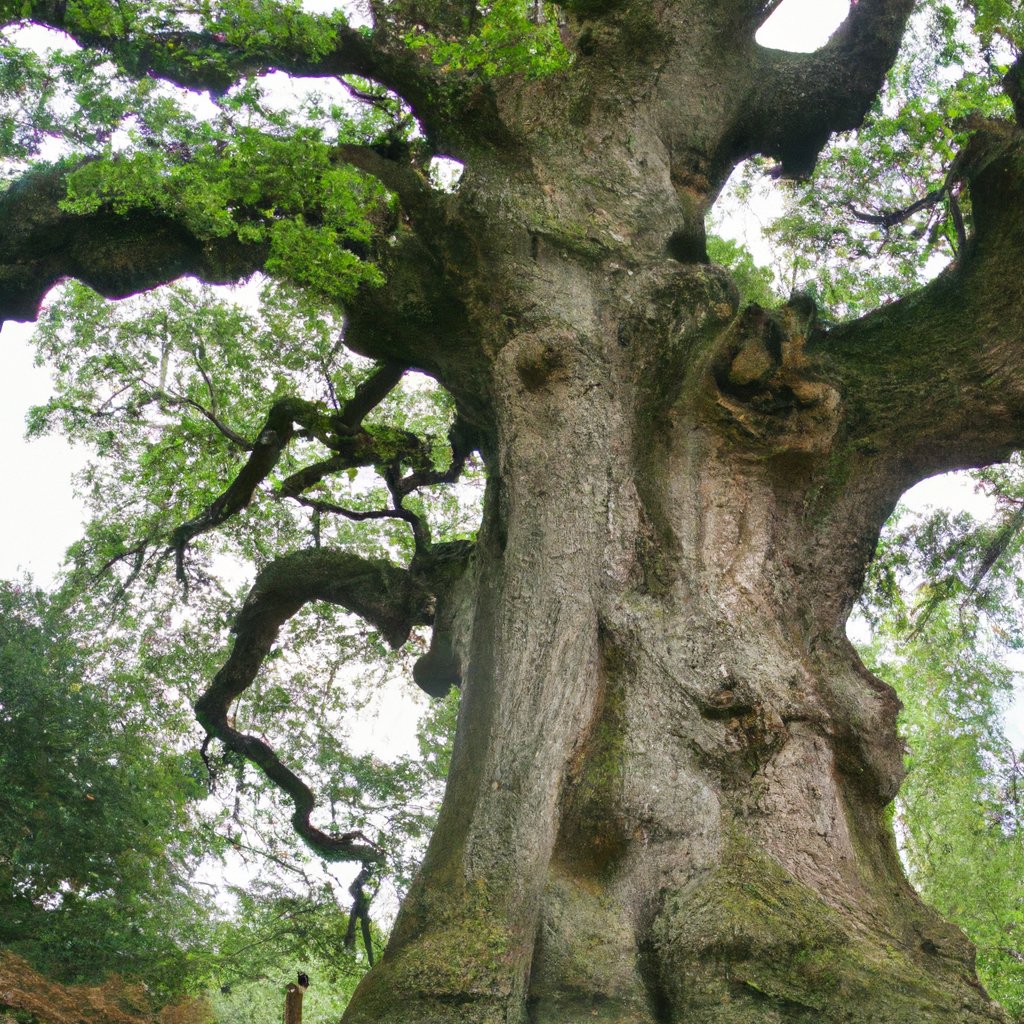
x,y
669,789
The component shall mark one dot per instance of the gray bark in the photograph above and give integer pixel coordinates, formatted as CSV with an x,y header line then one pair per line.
x,y
668,795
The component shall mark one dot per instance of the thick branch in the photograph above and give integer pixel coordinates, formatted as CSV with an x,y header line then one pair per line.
x,y
360,914
463,440
891,218
798,100
209,60
936,381
117,255
265,453
1013,85
370,393
393,600
398,174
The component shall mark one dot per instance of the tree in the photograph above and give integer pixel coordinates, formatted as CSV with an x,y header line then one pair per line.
x,y
668,788
97,851
943,599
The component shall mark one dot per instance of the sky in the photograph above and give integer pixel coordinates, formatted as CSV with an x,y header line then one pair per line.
x,y
41,516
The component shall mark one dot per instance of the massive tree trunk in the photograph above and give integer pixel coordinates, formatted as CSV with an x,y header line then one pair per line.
x,y
668,798
669,790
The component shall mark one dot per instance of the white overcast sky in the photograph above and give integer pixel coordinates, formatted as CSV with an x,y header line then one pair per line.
x,y
40,516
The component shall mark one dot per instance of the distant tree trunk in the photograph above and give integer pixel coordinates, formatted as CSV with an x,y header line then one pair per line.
x,y
293,1001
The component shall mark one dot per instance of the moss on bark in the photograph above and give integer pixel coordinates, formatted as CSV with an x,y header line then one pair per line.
x,y
752,945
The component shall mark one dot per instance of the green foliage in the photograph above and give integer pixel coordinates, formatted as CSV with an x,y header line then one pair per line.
x,y
756,284
255,27
229,165
283,192
509,37
35,90
158,385
999,21
944,602
94,822
273,933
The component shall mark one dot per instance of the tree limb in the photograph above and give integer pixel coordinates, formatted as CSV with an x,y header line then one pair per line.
x,y
265,453
991,553
936,381
339,431
1013,86
209,60
370,393
172,398
798,100
397,173
117,255
463,441
393,600
891,218
360,913
349,513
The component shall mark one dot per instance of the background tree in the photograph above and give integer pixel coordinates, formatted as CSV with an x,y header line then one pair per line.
x,y
667,792
96,845
943,601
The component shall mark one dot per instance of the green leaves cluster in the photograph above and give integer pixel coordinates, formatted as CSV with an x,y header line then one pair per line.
x,y
315,216
94,813
224,165
509,37
756,284
163,388
999,21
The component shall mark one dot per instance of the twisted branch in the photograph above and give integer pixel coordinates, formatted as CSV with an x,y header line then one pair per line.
x,y
338,430
391,599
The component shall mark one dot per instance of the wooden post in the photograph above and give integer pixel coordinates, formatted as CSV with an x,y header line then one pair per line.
x,y
293,1000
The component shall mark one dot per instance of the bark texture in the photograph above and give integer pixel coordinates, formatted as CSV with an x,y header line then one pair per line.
x,y
668,793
